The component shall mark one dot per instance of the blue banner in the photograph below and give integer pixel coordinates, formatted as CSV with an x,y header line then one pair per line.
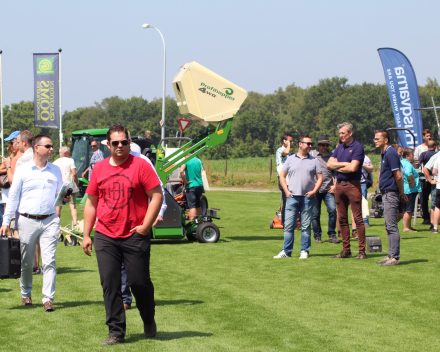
x,y
46,91
404,95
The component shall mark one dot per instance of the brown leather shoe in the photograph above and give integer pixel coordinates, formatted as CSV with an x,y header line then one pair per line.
x,y
342,255
127,306
48,307
112,340
26,301
361,255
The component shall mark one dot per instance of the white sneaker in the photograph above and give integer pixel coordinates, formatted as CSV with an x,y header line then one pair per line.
x,y
303,255
282,255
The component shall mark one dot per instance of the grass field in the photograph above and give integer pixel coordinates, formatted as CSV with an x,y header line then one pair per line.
x,y
233,296
254,172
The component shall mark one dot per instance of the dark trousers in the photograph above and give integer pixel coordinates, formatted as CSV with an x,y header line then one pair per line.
x,y
350,194
134,251
426,191
283,195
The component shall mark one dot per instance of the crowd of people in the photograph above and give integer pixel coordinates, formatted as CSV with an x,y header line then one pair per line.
x,y
341,179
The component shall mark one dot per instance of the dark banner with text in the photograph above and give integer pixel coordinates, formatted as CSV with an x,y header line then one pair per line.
x,y
46,91
404,95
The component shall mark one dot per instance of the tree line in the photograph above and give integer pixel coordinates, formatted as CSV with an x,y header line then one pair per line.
x,y
258,125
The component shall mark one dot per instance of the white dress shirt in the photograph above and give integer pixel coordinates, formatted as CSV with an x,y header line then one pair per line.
x,y
33,190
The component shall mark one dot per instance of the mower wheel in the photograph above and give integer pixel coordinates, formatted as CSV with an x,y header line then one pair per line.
x,y
191,237
204,205
271,224
60,238
73,241
207,233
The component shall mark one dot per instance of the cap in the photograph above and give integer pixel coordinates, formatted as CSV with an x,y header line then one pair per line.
x,y
13,135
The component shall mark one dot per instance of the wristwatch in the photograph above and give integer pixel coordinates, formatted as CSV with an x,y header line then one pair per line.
x,y
7,167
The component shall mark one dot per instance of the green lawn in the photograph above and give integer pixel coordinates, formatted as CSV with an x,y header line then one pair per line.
x,y
233,296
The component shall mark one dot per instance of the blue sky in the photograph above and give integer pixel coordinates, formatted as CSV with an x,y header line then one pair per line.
x,y
258,45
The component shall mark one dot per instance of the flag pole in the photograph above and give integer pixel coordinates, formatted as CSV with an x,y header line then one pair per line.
x,y
59,88
1,100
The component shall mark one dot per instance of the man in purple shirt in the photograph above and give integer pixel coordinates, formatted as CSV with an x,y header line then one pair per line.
x,y
347,160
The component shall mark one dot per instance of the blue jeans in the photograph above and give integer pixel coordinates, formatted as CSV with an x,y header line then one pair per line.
x,y
127,298
365,195
329,200
294,205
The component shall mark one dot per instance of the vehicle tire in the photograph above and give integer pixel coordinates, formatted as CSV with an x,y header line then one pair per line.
x,y
207,233
204,204
271,224
191,237
60,238
73,242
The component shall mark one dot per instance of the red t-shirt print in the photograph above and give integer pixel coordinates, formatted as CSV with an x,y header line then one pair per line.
x,y
116,190
122,201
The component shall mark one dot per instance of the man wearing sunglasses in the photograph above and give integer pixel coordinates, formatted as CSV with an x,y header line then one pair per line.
x,y
118,195
34,190
282,154
347,160
97,156
326,192
306,171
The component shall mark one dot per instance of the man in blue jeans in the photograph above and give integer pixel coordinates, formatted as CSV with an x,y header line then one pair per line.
x,y
367,167
326,192
305,180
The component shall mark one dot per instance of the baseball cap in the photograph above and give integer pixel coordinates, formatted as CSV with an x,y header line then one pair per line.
x,y
13,135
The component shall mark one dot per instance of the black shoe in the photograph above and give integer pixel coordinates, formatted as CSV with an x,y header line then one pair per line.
x,y
150,330
318,240
432,226
112,340
342,255
426,222
333,239
433,230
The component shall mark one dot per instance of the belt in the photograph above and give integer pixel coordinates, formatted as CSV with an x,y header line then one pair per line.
x,y
36,217
384,191
345,183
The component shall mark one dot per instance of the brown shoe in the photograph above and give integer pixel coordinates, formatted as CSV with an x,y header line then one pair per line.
x,y
48,307
409,230
333,239
26,301
342,255
384,260
361,255
392,261
112,340
127,306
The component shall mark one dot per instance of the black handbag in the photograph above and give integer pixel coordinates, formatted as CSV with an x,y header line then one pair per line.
x,y
4,181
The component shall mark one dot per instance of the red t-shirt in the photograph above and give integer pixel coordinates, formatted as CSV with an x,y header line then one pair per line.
x,y
122,202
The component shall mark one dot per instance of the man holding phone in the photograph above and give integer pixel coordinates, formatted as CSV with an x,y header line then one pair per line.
x,y
36,185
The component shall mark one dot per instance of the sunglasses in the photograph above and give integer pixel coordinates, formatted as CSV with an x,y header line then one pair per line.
x,y
94,146
308,143
116,143
47,146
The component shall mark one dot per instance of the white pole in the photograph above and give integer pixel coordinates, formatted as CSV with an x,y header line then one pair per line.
x,y
164,77
59,97
1,100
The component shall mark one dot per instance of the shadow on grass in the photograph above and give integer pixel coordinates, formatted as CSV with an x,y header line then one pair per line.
x,y
183,301
62,305
5,290
67,270
256,238
414,261
169,335
411,238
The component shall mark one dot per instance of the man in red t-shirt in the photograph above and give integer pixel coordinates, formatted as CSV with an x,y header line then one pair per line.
x,y
118,194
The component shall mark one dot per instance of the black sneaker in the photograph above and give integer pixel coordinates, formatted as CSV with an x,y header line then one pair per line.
x,y
426,222
333,239
150,330
112,340
318,240
433,230
432,226
342,255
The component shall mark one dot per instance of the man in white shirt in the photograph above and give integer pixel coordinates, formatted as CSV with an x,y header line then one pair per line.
x,y
424,146
68,171
36,185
